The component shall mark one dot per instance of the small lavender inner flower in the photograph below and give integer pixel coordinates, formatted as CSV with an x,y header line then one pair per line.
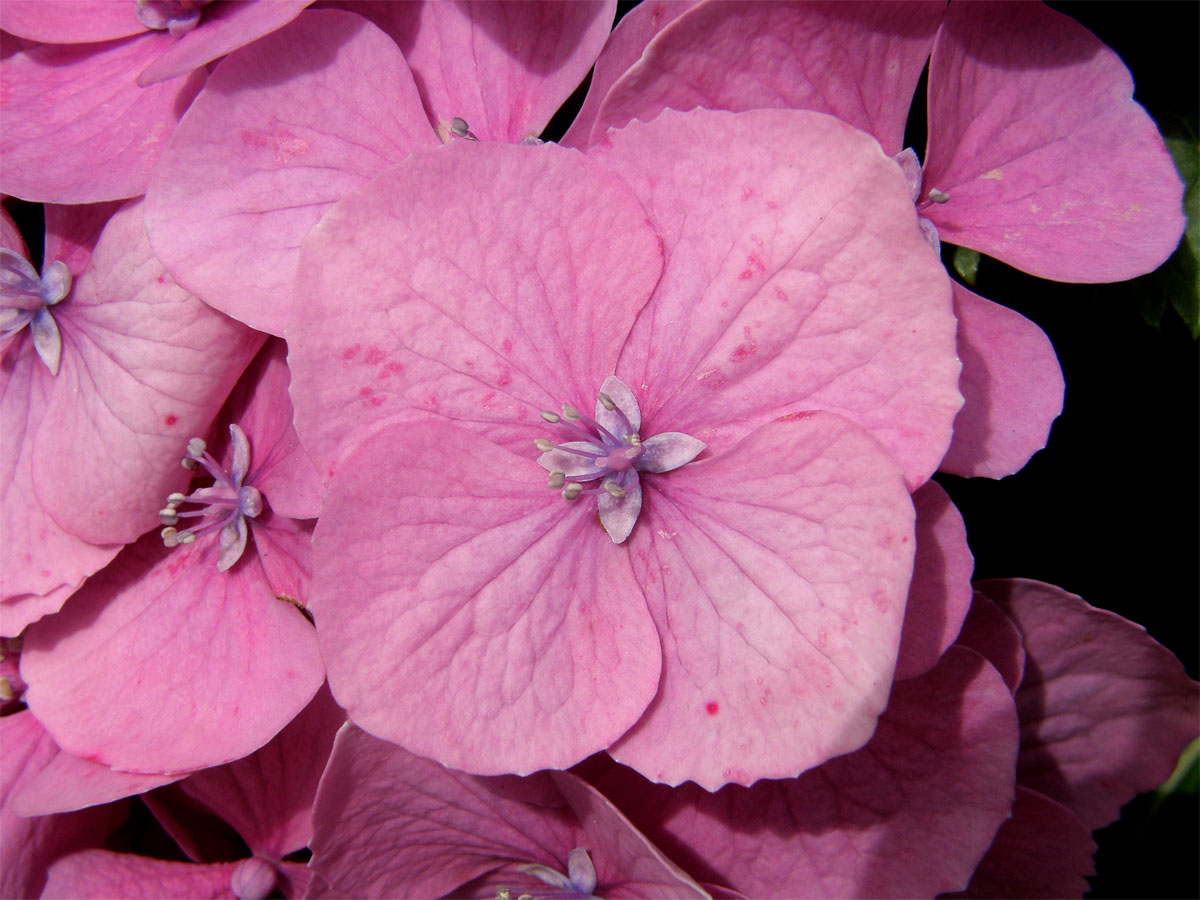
x,y
579,882
608,453
26,298
226,505
175,16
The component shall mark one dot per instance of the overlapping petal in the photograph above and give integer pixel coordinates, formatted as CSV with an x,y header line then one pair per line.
x,y
1048,162
470,614
126,876
776,574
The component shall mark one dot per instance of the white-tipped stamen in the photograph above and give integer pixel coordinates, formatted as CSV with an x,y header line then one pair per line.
x,y
174,499
196,446
557,479
552,418
168,516
169,537
614,489
544,445
607,402
572,491
188,463
938,196
570,413
185,537
635,440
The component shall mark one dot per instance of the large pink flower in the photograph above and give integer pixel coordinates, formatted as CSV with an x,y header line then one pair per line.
x,y
786,314
200,651
1037,153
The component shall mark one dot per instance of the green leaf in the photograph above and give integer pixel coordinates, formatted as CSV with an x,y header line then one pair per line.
x,y
1186,777
966,264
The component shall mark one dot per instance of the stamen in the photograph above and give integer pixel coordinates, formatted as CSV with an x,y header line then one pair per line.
x,y
572,491
552,418
570,413
188,463
938,196
606,401
196,446
557,479
614,489
169,537
167,514
544,445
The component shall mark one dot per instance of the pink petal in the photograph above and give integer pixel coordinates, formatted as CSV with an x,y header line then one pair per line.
x,y
389,823
777,575
461,616
196,667
790,284
289,125
1011,384
222,29
10,235
1042,851
988,631
504,67
1048,162
125,876
72,232
68,783
40,563
940,594
623,48
484,282
145,367
76,127
30,845
908,815
860,63
69,21
268,796
1105,710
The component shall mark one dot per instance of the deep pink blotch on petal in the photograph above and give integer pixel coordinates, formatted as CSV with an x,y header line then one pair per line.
x,y
860,63
789,284
1105,710
940,594
77,129
480,621
286,128
1012,389
776,574
908,815
1048,162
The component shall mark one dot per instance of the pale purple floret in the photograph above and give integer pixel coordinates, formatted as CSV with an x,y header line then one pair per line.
x,y
26,298
176,16
227,504
580,880
612,452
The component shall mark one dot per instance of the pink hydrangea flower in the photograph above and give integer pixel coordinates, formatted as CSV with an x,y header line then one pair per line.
x,y
288,126
1037,153
107,362
391,824
200,651
784,312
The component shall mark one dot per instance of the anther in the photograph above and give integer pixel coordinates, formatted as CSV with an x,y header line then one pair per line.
x,y
570,413
635,440
938,196
557,479
544,445
188,463
168,516
196,446
614,489
169,536
607,402
174,499
572,491
185,537
552,418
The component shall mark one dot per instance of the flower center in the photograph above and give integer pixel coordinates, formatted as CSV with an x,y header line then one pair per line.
x,y
26,298
606,454
225,505
175,16
580,880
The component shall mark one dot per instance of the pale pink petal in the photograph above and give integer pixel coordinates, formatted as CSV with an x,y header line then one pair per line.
x,y
268,796
859,62
908,815
196,667
480,281
10,235
1042,851
125,876
389,823
1012,389
145,367
504,67
940,594
987,630
68,783
470,614
777,575
790,284
40,563
69,21
72,232
77,129
1105,709
623,48
1048,162
286,128
223,28
30,845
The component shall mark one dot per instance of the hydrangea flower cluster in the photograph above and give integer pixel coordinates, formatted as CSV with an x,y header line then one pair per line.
x,y
326,302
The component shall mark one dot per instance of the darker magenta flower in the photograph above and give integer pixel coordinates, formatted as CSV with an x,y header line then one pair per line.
x,y
776,343
200,646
